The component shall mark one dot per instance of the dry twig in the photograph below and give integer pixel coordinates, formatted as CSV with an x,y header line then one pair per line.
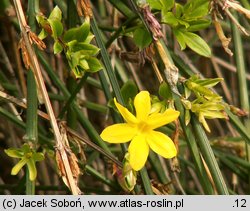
x,y
37,72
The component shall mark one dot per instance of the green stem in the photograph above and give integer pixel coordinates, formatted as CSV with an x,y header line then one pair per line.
x,y
95,106
97,175
33,9
119,30
242,82
31,122
106,61
73,95
241,129
63,6
72,17
9,116
246,4
231,165
240,64
94,83
71,116
84,103
146,181
192,145
239,161
209,157
30,185
156,165
119,5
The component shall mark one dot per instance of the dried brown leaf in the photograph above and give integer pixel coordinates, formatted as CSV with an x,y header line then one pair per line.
x,y
73,161
60,165
224,40
25,54
36,40
236,6
152,22
161,189
84,8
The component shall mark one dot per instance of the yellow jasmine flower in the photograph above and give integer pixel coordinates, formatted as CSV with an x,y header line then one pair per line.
x,y
140,130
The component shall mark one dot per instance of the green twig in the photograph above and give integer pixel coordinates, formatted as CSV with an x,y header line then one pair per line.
x,y
122,8
146,181
242,82
200,170
73,95
209,157
106,61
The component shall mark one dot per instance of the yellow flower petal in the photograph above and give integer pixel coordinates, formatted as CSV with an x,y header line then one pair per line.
x,y
127,116
118,133
138,152
160,119
161,144
142,105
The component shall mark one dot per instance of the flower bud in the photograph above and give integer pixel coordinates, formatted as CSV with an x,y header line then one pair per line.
x,y
186,103
126,176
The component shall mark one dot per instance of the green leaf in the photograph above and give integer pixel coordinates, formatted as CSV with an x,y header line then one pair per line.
x,y
155,4
56,27
213,114
89,38
142,38
57,47
43,34
78,71
74,58
195,9
86,49
180,38
203,121
40,19
94,64
167,4
187,92
213,106
26,148
186,103
56,14
32,169
129,90
198,25
178,10
14,153
187,117
71,44
183,23
84,64
169,18
18,166
196,43
200,89
80,33
165,91
211,82
38,156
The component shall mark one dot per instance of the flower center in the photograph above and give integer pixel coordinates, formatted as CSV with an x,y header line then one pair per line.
x,y
142,127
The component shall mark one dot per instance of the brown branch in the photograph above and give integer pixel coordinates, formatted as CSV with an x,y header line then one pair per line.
x,y
37,72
